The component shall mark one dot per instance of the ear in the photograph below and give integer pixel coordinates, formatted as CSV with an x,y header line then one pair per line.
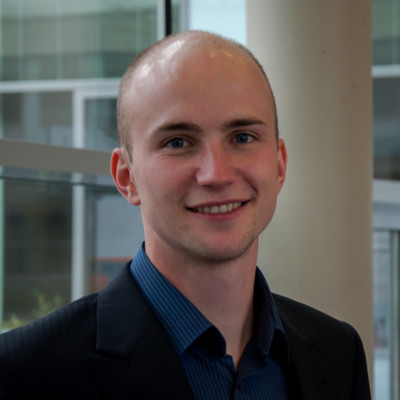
x,y
282,163
123,177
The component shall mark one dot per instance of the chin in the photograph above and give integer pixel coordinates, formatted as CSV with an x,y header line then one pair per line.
x,y
215,254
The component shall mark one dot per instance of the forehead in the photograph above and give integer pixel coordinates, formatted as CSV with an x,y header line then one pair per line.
x,y
195,57
194,74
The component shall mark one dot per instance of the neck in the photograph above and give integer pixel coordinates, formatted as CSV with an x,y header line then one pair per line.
x,y
223,292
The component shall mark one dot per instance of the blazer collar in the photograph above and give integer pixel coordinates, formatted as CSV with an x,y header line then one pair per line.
x,y
308,374
136,359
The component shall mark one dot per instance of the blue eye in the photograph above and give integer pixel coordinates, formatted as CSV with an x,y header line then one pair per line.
x,y
242,138
177,143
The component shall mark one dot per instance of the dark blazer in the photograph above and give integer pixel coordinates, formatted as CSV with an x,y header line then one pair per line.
x,y
110,345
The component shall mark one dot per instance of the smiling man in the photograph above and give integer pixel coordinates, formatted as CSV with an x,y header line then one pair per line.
x,y
191,317
204,164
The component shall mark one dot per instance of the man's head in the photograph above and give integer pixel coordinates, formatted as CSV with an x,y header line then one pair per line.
x,y
187,39
200,153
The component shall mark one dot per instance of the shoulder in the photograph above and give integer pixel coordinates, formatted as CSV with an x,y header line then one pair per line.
x,y
306,327
43,358
308,320
53,347
332,341
59,334
323,350
54,324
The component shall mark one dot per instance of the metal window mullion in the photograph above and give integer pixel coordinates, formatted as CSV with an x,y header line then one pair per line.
x,y
183,15
20,38
386,71
66,85
59,39
78,205
160,19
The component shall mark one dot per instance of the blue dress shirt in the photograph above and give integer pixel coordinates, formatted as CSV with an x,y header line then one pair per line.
x,y
202,348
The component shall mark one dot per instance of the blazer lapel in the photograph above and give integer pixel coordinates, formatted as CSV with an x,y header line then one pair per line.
x,y
308,374
134,357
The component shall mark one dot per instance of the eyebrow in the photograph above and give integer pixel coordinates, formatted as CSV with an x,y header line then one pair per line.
x,y
241,122
189,126
178,126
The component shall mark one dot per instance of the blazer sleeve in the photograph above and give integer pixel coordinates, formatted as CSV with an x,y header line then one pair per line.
x,y
361,387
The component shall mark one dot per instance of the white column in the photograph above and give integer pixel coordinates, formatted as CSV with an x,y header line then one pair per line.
x,y
318,249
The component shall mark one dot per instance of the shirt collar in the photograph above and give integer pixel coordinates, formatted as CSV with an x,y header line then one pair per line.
x,y
269,335
185,324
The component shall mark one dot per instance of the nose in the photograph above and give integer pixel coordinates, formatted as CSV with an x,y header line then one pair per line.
x,y
215,167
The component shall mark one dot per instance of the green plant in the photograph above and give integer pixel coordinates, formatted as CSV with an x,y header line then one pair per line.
x,y
43,306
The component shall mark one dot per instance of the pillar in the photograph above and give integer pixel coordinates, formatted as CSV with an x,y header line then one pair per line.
x,y
318,248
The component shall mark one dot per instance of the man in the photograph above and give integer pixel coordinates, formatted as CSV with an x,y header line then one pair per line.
x,y
191,317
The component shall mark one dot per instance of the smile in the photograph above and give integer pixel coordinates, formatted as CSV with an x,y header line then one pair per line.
x,y
222,209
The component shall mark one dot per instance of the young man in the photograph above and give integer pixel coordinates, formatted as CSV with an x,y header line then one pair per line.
x,y
191,316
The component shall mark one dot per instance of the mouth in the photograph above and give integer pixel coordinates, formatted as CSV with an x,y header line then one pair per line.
x,y
218,209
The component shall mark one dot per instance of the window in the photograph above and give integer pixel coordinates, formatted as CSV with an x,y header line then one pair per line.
x,y
386,123
386,84
386,289
60,214
226,17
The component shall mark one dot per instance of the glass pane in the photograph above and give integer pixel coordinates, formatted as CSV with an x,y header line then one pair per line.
x,y
38,222
387,128
226,17
57,39
382,314
37,250
37,117
177,11
115,233
386,31
101,124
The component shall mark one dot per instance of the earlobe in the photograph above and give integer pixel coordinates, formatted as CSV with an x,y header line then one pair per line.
x,y
282,162
123,178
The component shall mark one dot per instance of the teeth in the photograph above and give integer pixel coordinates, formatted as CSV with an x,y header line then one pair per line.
x,y
224,208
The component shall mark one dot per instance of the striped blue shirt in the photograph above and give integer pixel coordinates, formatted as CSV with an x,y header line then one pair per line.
x,y
202,348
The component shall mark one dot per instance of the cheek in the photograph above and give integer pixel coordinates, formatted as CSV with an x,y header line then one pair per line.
x,y
157,182
168,174
264,173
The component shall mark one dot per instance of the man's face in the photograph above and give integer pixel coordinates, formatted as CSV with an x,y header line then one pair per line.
x,y
206,166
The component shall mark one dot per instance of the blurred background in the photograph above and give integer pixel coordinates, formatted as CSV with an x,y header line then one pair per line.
x,y
64,229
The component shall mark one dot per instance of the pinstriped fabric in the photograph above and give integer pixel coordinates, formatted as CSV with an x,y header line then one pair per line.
x,y
202,348
50,347
165,300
